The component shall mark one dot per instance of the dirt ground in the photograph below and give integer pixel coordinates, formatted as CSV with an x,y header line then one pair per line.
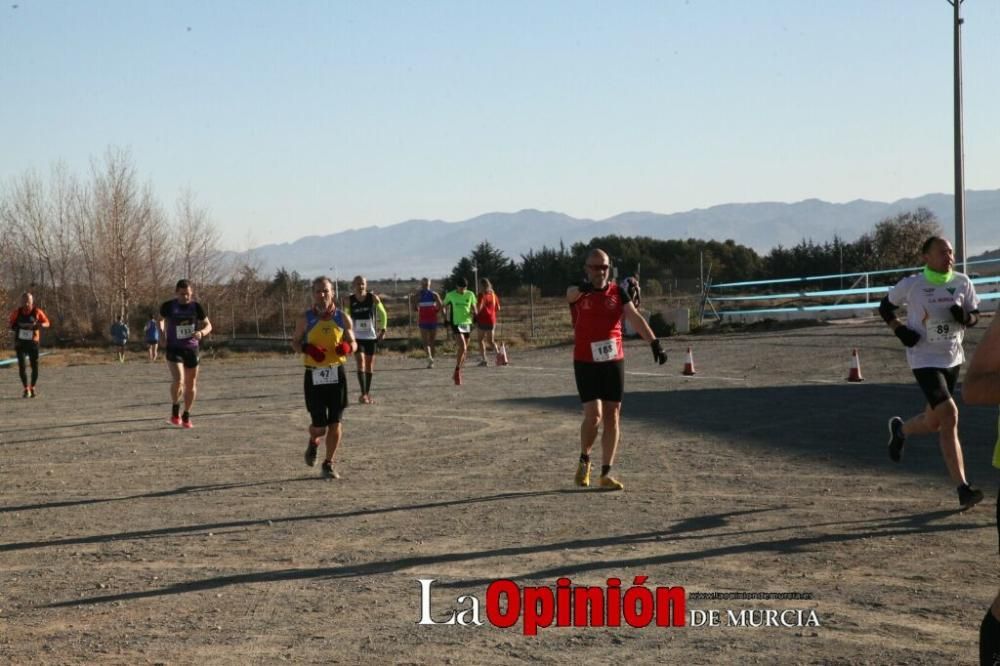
x,y
124,540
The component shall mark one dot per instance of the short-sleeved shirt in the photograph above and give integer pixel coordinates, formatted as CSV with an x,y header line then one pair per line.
x,y
427,307
597,325
462,307
489,306
23,322
927,313
152,332
180,323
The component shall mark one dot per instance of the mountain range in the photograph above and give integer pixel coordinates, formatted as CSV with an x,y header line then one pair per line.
x,y
418,248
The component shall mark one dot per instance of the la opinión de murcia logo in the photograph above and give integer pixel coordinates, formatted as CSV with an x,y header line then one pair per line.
x,y
508,603
639,606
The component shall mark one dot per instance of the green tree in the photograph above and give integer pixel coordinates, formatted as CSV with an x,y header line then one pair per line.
x,y
490,263
550,269
897,239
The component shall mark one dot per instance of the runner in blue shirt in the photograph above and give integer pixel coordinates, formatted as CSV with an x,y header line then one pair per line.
x,y
152,335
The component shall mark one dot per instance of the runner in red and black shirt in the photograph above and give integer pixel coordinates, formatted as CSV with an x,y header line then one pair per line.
x,y
26,323
598,306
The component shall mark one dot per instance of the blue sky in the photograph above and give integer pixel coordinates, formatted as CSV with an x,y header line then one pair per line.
x,y
295,118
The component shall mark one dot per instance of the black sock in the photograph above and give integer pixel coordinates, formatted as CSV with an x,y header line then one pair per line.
x,y
368,382
175,410
186,416
989,640
584,458
361,382
605,469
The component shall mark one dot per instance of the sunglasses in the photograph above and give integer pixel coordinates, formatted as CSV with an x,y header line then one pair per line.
x,y
599,267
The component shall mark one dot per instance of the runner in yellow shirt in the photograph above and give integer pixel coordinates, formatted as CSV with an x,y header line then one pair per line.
x,y
324,336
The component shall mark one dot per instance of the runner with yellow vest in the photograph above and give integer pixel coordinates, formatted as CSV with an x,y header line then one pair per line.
x,y
324,336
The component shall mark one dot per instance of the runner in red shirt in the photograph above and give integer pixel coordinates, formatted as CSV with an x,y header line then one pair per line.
x,y
26,323
598,306
486,320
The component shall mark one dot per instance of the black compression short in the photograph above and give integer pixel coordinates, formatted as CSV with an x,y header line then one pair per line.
x,y
938,384
326,402
600,381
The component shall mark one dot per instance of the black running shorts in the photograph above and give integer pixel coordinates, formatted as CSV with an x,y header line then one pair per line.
x,y
189,357
326,402
367,347
600,381
938,384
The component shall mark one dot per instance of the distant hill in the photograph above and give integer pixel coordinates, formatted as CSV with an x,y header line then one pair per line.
x,y
417,248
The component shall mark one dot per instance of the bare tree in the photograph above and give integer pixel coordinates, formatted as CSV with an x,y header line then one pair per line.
x,y
97,249
157,254
122,212
85,236
197,241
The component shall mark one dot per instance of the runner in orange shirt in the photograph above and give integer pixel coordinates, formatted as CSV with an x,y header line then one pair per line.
x,y
26,323
486,320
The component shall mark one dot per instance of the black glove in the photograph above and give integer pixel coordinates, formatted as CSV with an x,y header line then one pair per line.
x,y
907,336
633,293
959,314
585,287
659,356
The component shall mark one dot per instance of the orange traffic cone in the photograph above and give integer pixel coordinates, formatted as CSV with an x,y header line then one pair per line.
x,y
855,374
689,364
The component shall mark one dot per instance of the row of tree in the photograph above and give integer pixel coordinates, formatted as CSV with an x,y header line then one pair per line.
x,y
893,243
97,247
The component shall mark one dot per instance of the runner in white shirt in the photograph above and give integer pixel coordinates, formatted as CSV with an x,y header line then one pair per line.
x,y
940,305
370,319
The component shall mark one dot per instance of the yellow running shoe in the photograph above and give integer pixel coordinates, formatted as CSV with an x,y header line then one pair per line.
x,y
583,474
611,483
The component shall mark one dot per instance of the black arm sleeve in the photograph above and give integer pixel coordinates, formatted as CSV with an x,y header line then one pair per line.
x,y
624,295
199,312
887,310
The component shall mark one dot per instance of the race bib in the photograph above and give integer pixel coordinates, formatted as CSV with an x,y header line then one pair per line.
x,y
185,331
605,350
366,329
322,376
464,328
942,330
25,334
